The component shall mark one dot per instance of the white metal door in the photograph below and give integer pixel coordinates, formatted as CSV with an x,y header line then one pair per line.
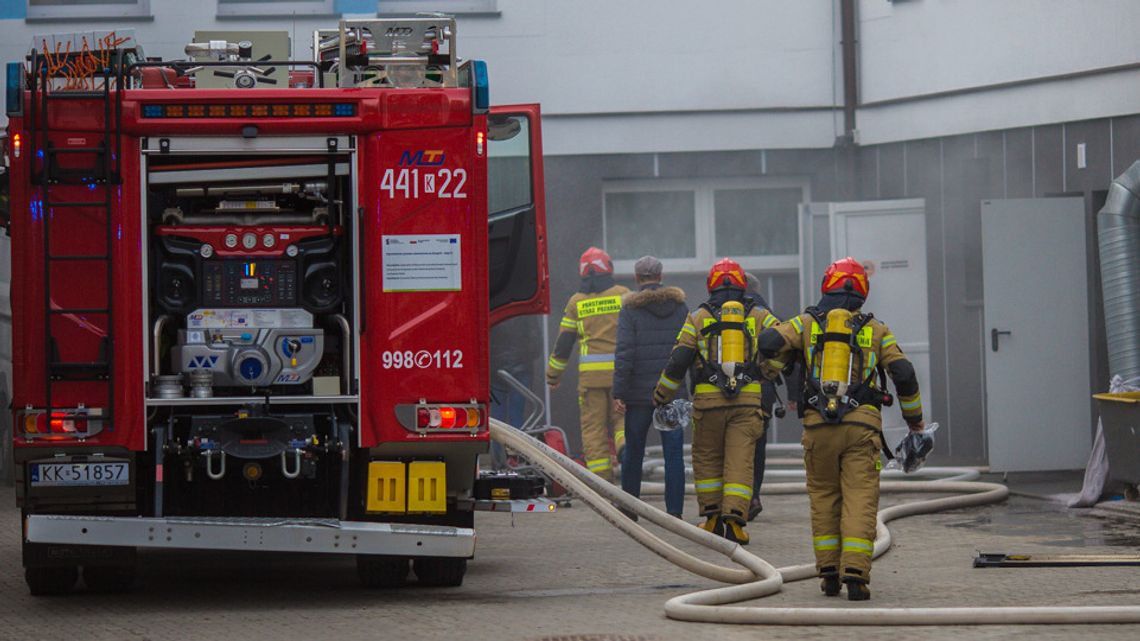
x,y
889,238
1036,333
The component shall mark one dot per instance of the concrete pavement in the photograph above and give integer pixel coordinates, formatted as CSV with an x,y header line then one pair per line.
x,y
569,575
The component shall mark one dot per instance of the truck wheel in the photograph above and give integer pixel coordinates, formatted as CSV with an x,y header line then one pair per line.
x,y
109,578
47,581
381,571
441,571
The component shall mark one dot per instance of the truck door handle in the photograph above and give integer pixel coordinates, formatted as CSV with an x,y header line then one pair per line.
x,y
995,333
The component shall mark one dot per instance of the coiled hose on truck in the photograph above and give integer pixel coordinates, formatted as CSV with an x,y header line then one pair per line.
x,y
756,578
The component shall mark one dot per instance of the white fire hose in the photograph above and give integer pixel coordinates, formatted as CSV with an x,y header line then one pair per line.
x,y
756,578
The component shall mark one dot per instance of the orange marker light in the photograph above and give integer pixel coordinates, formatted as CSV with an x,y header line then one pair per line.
x,y
17,145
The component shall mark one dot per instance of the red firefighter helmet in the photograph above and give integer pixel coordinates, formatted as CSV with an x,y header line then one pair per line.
x,y
727,273
843,275
595,260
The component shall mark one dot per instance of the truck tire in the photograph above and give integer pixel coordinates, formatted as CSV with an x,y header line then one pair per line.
x,y
443,572
377,571
51,580
109,578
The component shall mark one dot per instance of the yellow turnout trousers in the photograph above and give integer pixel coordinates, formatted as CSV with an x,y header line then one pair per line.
x,y
724,442
843,465
599,421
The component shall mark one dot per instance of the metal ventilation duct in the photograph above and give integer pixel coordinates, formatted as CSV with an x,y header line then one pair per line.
x,y
1118,225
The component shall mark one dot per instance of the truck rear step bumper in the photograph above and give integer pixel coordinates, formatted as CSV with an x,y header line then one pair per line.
x,y
325,536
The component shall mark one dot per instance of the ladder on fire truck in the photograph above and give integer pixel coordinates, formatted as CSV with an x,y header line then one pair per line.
x,y
53,174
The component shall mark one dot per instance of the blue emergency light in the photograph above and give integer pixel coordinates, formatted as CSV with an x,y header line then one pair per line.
x,y
15,87
481,85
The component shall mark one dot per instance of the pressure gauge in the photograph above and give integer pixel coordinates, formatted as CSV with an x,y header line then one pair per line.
x,y
231,240
249,241
206,250
291,251
269,240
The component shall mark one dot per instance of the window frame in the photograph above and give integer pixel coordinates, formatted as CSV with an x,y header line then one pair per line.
x,y
705,219
248,8
452,7
99,11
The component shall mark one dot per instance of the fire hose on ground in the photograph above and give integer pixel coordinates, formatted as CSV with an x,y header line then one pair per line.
x,y
756,578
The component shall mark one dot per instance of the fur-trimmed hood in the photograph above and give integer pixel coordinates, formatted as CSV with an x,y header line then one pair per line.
x,y
660,301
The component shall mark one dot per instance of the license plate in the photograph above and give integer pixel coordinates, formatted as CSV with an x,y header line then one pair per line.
x,y
62,474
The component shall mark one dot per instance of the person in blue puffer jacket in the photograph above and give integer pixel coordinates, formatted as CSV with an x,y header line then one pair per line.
x,y
647,329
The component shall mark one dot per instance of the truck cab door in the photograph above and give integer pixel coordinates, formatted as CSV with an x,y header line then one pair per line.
x,y
518,272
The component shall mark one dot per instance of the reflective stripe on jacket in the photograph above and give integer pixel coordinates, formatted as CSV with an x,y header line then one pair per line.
x,y
590,319
692,347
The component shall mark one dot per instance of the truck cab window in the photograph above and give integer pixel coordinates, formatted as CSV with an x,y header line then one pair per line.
x,y
508,163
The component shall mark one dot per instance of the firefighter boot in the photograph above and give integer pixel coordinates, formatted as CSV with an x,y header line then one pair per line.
x,y
713,524
755,507
734,528
829,581
857,589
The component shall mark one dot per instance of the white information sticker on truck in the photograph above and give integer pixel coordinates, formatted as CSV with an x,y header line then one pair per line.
x,y
421,263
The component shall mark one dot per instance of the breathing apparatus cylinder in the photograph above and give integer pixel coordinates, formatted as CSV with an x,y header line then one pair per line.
x,y
835,365
731,340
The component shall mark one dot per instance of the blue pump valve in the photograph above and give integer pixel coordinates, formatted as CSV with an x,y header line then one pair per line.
x,y
250,369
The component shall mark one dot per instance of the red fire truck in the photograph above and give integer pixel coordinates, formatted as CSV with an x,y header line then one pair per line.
x,y
252,296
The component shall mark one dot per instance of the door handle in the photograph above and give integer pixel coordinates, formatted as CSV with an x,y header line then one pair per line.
x,y
995,333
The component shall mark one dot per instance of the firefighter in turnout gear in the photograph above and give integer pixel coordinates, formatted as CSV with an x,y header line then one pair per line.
x,y
717,347
847,355
591,318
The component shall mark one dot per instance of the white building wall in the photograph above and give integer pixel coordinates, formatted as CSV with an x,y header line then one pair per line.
x,y
735,74
676,75
915,48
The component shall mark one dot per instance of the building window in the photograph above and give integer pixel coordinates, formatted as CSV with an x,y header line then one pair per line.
x,y
661,223
68,9
453,7
688,224
275,7
757,222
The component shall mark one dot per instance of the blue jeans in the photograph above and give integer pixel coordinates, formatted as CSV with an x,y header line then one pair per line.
x,y
638,421
759,459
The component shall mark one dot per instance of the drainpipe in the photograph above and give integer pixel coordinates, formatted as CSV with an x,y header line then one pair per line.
x,y
846,143
850,71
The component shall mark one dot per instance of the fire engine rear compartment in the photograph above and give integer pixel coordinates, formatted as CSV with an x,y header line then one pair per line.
x,y
251,300
249,255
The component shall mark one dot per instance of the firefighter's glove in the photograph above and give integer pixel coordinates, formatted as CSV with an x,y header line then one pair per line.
x,y
771,369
